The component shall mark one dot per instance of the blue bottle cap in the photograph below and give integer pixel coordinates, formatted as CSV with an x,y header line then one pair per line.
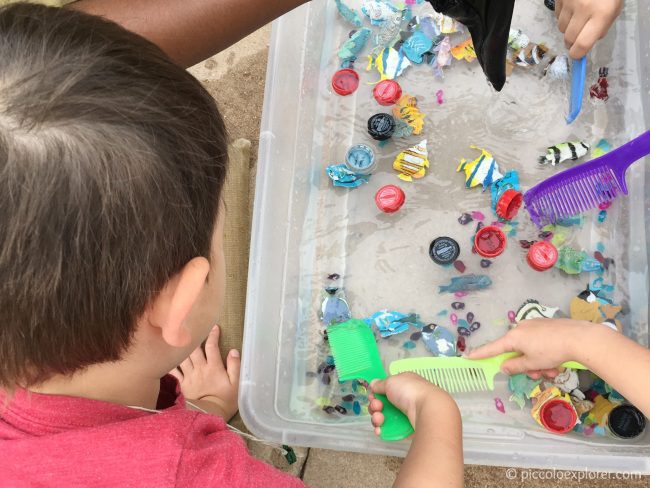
x,y
360,159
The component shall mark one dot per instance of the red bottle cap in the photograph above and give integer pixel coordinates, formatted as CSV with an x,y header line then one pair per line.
x,y
387,92
509,203
542,256
558,416
490,241
345,81
389,198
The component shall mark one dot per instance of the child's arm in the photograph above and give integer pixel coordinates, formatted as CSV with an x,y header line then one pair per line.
x,y
436,454
190,31
583,22
546,343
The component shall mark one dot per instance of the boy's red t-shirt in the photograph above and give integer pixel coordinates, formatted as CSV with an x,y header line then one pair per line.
x,y
53,440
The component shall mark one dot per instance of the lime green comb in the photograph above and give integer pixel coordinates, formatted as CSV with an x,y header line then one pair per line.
x,y
356,356
457,375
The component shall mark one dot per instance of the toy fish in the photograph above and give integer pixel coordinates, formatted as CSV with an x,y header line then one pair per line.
x,y
568,382
464,50
599,89
601,148
413,162
406,109
439,341
532,309
561,152
391,63
521,387
445,24
351,48
342,176
482,170
572,261
443,56
470,282
377,11
428,26
334,308
348,14
517,39
389,32
587,306
402,129
389,323
558,68
531,55
416,45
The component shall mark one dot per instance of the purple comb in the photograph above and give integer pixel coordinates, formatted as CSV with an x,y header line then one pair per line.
x,y
586,185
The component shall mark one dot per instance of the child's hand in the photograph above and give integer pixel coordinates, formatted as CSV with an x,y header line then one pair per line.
x,y
408,392
583,22
205,380
543,343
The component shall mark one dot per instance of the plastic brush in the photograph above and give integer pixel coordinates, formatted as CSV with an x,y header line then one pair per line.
x,y
457,375
586,185
578,75
356,356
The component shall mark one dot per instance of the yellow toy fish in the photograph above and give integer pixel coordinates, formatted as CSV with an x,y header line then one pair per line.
x,y
464,50
407,110
483,170
390,63
413,162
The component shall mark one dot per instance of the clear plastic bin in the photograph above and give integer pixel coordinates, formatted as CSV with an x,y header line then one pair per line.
x,y
303,229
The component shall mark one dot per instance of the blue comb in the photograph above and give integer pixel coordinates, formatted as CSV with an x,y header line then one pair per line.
x,y
578,75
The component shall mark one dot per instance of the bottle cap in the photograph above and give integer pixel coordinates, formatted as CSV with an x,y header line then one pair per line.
x,y
490,241
360,159
542,256
381,126
509,203
389,198
345,81
387,92
444,250
558,416
626,422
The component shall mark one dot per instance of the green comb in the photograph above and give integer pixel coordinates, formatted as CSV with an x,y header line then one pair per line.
x,y
356,356
457,375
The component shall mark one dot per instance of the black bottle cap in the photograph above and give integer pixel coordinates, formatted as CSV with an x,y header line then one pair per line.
x,y
381,126
444,250
626,421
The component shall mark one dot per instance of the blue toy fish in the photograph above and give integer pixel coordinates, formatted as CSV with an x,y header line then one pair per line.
x,y
342,176
439,341
416,45
334,308
483,170
470,282
348,14
351,48
389,322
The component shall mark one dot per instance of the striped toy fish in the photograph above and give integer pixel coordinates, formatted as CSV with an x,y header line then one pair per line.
x,y
391,63
561,152
464,50
483,170
413,162
406,109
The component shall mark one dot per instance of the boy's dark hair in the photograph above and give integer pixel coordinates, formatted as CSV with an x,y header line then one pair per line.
x,y
112,160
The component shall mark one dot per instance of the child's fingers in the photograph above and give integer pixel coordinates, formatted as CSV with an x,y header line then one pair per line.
x,y
377,419
233,365
176,373
212,353
576,24
563,19
517,365
378,386
491,349
187,365
198,357
534,375
375,405
559,4
550,373
590,33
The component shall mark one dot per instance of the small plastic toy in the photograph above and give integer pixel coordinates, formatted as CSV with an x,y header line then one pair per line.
x,y
490,241
381,126
561,152
412,162
553,410
483,170
542,256
345,81
342,176
444,250
387,92
438,340
389,198
360,159
469,282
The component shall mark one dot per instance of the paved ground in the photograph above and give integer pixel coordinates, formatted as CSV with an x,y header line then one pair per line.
x,y
236,79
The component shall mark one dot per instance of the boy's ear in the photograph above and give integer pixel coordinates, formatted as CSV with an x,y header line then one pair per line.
x,y
169,310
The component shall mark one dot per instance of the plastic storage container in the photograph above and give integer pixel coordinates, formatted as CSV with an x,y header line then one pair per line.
x,y
303,229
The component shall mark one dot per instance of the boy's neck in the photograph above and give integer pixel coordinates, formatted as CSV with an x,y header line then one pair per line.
x,y
108,382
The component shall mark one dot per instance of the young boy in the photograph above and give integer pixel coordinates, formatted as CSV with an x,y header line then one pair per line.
x,y
112,160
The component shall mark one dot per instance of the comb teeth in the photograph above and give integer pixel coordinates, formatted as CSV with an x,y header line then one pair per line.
x,y
456,380
561,198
